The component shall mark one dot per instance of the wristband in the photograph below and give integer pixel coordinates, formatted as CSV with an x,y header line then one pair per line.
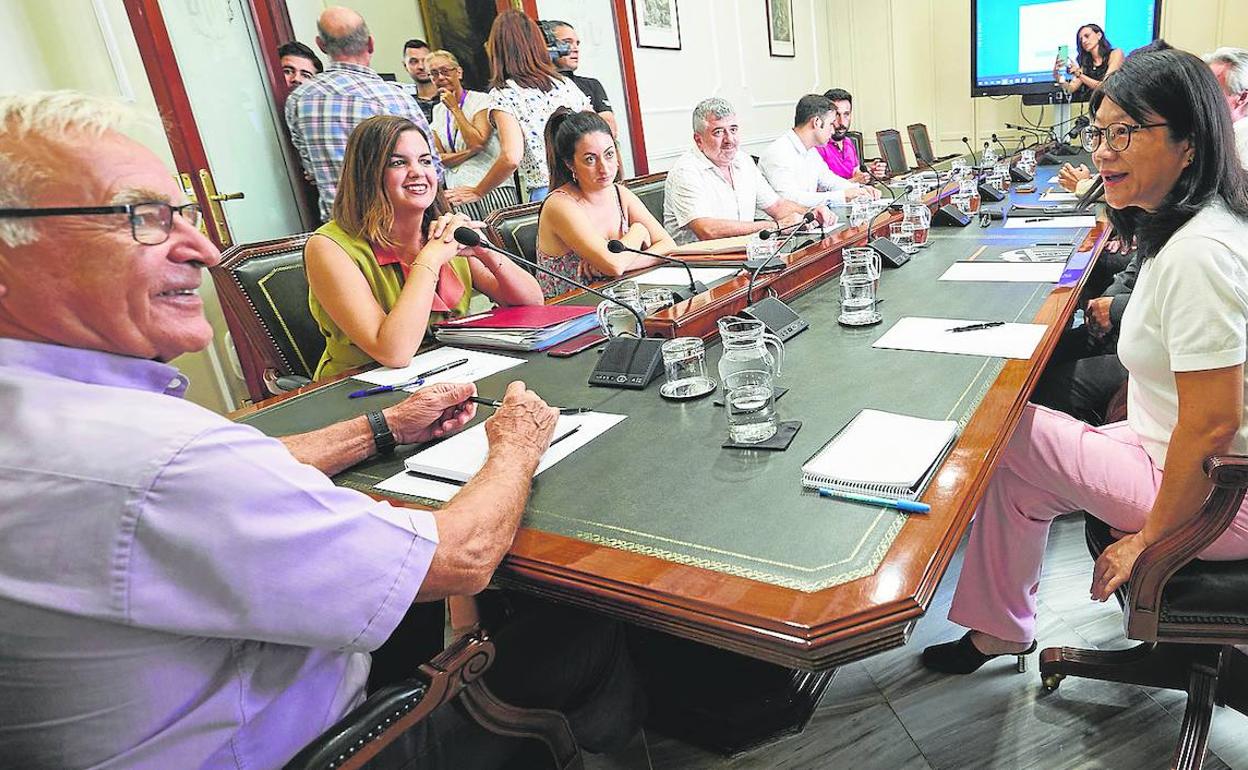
x,y
382,437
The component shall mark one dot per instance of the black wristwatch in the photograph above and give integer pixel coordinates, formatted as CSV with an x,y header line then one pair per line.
x,y
382,436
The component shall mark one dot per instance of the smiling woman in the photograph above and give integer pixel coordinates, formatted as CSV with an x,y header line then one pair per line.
x,y
387,264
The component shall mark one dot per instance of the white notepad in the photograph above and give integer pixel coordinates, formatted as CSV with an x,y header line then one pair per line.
x,y
1009,272
1018,222
459,457
932,335
480,365
1058,196
881,453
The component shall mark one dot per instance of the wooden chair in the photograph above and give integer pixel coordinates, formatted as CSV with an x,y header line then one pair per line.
x,y
649,189
456,673
1188,614
264,297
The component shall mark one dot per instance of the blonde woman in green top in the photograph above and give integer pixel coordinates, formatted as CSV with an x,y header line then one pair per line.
x,y
385,266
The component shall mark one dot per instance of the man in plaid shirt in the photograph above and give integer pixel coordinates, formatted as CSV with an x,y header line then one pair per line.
x,y
322,112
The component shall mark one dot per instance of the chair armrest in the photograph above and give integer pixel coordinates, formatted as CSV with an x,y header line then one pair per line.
x,y
1153,568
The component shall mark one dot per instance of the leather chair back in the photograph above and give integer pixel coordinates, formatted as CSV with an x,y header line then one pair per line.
x,y
856,138
264,295
649,189
514,229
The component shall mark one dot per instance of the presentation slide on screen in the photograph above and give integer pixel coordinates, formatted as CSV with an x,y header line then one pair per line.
x,y
1017,41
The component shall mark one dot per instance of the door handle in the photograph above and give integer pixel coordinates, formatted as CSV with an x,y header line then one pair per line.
x,y
214,207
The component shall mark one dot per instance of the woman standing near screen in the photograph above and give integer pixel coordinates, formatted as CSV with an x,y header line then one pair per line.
x,y
1097,58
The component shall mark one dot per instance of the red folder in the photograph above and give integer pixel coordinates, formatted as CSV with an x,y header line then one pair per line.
x,y
520,317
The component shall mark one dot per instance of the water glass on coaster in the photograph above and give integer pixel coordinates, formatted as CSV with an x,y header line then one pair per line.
x,y
654,300
749,398
902,234
684,359
919,215
615,320
858,301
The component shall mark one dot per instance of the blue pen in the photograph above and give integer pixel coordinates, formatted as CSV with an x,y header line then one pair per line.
x,y
416,381
909,506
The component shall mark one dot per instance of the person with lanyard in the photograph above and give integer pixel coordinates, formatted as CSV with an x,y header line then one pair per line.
x,y
589,207
465,138
1096,59
386,267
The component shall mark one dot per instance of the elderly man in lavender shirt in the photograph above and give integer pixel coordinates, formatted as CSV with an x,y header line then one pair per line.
x,y
177,590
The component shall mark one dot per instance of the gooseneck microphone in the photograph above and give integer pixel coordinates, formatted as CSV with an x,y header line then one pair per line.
x,y
974,157
627,362
764,235
1094,193
616,246
779,318
1004,152
890,253
947,214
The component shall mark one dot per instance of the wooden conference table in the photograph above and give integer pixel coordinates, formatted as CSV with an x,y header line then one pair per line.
x,y
655,524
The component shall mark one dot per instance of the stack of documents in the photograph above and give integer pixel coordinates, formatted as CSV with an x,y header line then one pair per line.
x,y
881,453
519,328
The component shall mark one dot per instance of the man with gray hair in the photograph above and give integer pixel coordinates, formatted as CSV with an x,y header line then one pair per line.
x,y
322,112
712,191
179,590
1230,67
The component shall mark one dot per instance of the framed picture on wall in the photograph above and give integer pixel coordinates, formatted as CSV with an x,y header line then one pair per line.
x,y
780,37
657,24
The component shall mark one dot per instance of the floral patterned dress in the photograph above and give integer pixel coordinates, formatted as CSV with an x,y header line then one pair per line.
x,y
532,107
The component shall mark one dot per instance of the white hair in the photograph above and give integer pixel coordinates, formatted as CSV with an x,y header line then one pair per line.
x,y
715,106
1236,60
54,115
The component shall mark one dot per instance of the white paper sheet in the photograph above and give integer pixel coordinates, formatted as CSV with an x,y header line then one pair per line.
x,y
1058,195
1020,222
462,455
480,365
1008,272
671,275
1011,340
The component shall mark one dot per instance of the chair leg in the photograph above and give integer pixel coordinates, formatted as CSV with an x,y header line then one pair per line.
x,y
1148,664
1202,684
550,727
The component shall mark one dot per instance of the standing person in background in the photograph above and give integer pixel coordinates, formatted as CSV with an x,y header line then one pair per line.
x,y
525,91
415,51
465,139
299,64
839,152
321,113
1096,59
565,36
1230,67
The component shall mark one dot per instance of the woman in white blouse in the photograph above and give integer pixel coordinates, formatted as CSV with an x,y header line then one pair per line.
x,y
525,91
1161,139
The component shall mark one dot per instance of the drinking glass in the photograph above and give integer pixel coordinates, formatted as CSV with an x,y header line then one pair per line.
x,y
963,202
1001,171
902,234
920,216
969,188
684,359
759,248
654,300
860,211
959,167
988,157
858,301
615,320
749,398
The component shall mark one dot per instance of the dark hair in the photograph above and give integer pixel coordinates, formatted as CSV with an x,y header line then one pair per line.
x,y
1102,49
1175,87
415,43
811,106
361,207
564,129
517,51
838,95
295,48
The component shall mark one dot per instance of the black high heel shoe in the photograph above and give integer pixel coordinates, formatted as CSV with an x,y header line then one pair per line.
x,y
963,657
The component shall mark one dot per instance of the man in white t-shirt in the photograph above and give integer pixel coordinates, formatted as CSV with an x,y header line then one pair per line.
x,y
794,167
1230,67
712,191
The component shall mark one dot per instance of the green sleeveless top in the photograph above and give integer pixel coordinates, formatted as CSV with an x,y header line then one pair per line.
x,y
386,281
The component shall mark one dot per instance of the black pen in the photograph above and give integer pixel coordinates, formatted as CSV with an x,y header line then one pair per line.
x,y
569,433
417,380
1052,244
1038,219
976,327
494,404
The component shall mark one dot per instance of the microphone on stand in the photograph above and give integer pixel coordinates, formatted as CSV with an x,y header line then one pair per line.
x,y
890,253
1016,173
778,317
974,157
946,213
695,288
626,362
1004,152
1094,194
766,234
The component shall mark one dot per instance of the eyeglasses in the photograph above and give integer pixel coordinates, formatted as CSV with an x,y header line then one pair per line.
x,y
150,221
443,72
1118,135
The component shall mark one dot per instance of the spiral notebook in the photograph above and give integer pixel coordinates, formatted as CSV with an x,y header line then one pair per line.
x,y
881,453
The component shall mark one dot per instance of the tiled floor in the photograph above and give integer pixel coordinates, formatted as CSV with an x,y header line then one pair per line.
x,y
888,712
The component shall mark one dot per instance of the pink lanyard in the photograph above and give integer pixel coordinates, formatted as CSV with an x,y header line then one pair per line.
x,y
450,137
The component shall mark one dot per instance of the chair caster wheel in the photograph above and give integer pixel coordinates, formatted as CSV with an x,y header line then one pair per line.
x,y
1052,681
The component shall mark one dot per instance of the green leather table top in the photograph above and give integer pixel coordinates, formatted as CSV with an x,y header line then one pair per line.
x,y
659,483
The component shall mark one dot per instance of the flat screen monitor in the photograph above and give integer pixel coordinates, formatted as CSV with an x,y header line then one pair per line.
x,y
1014,43
893,151
921,143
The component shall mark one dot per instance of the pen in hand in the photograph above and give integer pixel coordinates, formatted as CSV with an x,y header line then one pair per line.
x,y
495,403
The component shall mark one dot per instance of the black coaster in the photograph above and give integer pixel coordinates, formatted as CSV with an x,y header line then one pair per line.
x,y
779,392
785,432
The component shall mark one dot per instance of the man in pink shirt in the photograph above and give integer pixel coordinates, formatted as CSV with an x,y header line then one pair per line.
x,y
839,153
